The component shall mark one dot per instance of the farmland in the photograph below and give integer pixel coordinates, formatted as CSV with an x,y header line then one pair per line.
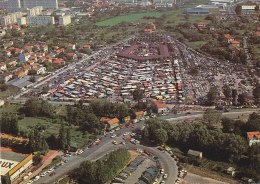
x,y
128,18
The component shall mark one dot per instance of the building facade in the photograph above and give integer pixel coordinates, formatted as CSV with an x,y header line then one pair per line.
x,y
40,20
11,5
34,11
64,20
10,18
46,4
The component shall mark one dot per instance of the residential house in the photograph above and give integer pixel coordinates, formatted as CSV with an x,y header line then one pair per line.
x,y
110,122
71,55
139,114
194,153
8,44
58,61
71,46
3,66
15,50
235,43
22,72
201,24
86,46
253,137
23,57
161,107
39,69
228,38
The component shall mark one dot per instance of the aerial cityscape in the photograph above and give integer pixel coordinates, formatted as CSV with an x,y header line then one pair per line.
x,y
130,92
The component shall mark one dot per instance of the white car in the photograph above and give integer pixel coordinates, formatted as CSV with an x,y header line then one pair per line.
x,y
112,131
50,170
113,136
162,171
162,182
165,176
125,134
118,128
30,182
43,174
36,178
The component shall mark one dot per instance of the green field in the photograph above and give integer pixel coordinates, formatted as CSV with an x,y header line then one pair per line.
x,y
196,45
127,18
52,125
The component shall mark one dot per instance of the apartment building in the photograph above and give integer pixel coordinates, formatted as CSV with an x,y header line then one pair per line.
x,y
10,18
46,4
40,20
34,11
11,6
64,20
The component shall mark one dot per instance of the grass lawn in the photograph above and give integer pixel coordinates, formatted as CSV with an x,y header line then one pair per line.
x,y
196,45
127,18
256,51
10,90
13,108
52,127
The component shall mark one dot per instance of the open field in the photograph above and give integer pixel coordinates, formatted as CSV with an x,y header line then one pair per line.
x,y
196,45
10,90
127,18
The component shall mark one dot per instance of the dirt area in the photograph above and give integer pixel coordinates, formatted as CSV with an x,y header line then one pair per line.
x,y
47,159
199,175
133,154
6,136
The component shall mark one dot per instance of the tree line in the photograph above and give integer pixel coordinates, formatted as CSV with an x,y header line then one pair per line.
x,y
102,170
9,123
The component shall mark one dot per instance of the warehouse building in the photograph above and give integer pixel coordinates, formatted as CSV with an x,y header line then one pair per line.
x,y
12,165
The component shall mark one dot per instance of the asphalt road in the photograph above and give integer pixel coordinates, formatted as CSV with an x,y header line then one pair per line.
x,y
200,115
97,151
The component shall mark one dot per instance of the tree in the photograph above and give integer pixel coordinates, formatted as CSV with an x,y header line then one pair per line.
x,y
68,137
234,96
62,137
3,87
256,93
37,158
241,99
32,107
161,136
36,141
138,94
32,79
212,117
227,91
212,96
238,9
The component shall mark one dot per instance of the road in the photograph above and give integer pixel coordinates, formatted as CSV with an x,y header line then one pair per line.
x,y
97,151
200,115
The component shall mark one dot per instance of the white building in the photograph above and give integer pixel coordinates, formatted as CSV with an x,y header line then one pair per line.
x,y
11,5
21,21
40,20
34,11
248,7
46,4
10,18
253,138
64,20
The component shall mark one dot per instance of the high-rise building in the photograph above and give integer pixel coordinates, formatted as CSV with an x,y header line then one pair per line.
x,y
46,4
64,20
10,18
34,11
40,20
11,5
